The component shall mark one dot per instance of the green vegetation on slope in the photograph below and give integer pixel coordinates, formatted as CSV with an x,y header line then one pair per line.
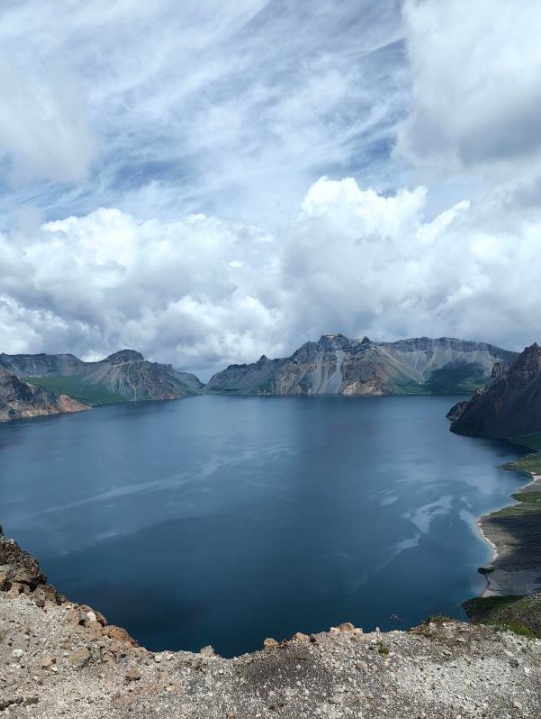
x,y
78,389
521,615
456,379
529,464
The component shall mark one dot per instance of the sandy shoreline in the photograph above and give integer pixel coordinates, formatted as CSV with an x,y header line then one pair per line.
x,y
516,551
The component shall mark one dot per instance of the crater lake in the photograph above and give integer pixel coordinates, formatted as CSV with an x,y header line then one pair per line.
x,y
225,520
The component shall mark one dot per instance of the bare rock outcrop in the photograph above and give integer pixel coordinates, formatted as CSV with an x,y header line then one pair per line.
x,y
510,406
22,400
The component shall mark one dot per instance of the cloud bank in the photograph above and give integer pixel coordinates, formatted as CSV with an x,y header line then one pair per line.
x,y
203,292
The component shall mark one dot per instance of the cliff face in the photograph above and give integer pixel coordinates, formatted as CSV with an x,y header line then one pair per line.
x,y
126,375
511,404
338,365
20,400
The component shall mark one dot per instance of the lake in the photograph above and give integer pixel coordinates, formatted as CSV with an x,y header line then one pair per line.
x,y
226,520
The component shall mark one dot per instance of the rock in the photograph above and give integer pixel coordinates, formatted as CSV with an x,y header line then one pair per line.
x,y
269,643
133,674
208,651
517,705
80,658
119,635
47,662
300,637
346,627
17,653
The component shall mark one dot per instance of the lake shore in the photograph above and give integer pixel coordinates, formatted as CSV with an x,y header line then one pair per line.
x,y
514,533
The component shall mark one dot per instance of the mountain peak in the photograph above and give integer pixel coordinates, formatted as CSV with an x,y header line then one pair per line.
x,y
124,356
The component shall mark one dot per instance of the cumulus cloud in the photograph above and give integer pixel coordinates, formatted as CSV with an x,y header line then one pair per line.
x,y
202,291
476,99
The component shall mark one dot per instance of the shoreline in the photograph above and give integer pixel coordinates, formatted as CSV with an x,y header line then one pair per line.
x,y
512,533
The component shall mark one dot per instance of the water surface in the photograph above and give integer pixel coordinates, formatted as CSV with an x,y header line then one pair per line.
x,y
225,520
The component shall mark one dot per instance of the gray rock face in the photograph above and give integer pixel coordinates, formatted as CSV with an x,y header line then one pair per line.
x,y
125,373
338,365
21,400
510,405
456,410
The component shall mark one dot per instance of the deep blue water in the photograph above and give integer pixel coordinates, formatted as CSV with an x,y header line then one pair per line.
x,y
225,520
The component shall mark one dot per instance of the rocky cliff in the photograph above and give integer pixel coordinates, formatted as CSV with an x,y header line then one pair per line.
x,y
338,365
510,406
20,400
124,375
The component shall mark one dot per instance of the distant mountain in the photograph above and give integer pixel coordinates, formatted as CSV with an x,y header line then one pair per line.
x,y
338,365
20,400
122,376
510,406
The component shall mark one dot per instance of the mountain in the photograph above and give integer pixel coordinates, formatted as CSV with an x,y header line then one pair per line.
x,y
124,375
510,406
19,400
338,365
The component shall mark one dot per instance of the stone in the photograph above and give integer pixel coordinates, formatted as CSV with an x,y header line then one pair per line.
x,y
346,627
517,705
119,635
133,674
269,643
207,651
47,662
80,658
300,637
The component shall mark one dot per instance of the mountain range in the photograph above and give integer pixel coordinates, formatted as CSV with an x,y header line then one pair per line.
x,y
42,384
48,384
338,365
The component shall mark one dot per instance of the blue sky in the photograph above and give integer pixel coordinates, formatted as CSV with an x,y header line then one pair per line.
x,y
228,179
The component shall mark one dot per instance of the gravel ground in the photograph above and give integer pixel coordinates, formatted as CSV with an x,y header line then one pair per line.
x,y
58,659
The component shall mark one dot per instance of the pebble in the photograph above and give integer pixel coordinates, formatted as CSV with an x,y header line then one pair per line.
x,y
80,658
133,674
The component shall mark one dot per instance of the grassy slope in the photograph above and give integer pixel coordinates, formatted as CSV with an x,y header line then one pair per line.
x,y
78,389
519,614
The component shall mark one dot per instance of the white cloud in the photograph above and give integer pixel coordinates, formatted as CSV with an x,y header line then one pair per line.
x,y
476,102
206,292
232,109
44,131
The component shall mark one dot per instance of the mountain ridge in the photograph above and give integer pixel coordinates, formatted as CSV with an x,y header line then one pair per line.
x,y
122,376
336,364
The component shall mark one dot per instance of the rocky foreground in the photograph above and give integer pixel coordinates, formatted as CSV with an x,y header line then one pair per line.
x,y
58,659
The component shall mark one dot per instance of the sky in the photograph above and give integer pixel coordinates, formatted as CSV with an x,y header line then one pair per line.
x,y
210,181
